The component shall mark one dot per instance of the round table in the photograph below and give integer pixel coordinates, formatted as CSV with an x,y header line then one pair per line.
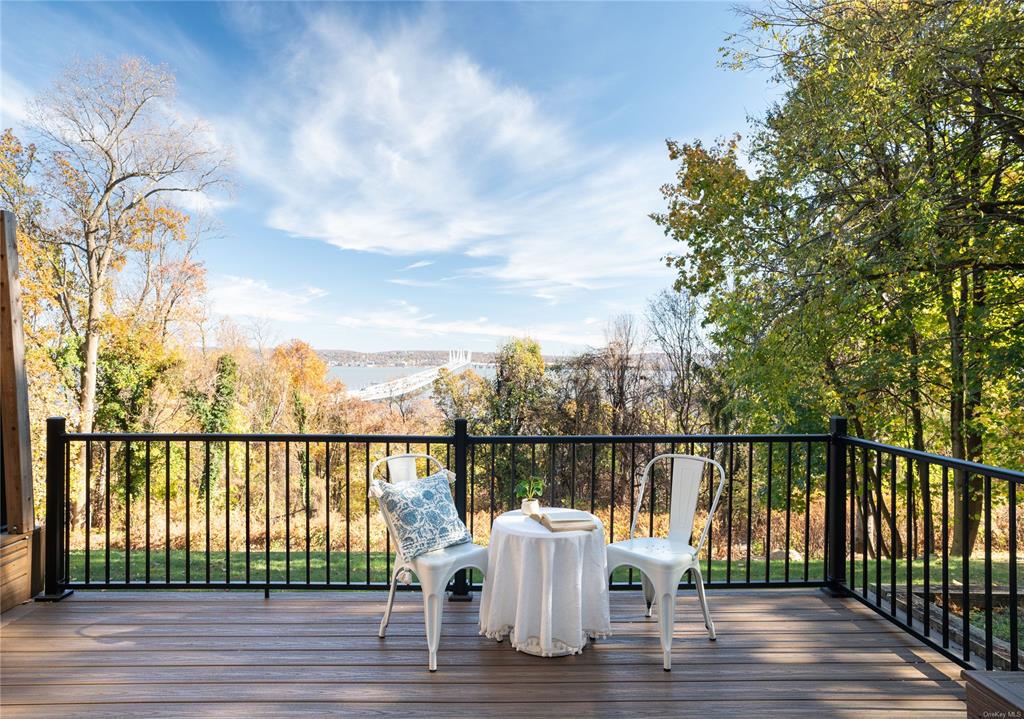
x,y
547,591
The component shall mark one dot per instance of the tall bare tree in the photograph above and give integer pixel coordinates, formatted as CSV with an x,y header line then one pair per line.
x,y
114,143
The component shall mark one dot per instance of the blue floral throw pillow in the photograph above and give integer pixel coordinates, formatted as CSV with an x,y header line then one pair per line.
x,y
423,514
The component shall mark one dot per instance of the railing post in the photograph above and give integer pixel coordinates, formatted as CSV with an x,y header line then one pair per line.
x,y
56,442
835,537
460,588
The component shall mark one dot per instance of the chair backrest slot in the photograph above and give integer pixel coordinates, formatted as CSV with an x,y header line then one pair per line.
x,y
686,478
401,469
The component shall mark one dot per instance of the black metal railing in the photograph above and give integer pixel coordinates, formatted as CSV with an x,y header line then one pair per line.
x,y
911,516
277,511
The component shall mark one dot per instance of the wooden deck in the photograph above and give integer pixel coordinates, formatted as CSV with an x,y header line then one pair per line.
x,y
779,653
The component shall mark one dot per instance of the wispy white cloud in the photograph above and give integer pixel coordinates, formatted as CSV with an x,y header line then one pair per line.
x,y
404,319
14,99
235,296
417,265
397,143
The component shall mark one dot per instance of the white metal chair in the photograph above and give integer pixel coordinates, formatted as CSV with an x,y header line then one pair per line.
x,y
663,562
433,569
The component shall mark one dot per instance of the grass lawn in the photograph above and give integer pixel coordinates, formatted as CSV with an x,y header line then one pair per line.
x,y
357,571
357,568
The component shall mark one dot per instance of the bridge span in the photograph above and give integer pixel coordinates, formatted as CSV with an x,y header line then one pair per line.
x,y
458,360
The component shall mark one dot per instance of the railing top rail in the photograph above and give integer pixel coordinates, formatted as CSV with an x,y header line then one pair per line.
x,y
646,438
255,437
972,467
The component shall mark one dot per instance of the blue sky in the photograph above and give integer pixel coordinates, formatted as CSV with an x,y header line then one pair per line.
x,y
411,176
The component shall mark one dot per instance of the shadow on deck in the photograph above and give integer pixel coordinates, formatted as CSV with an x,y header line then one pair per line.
x,y
784,653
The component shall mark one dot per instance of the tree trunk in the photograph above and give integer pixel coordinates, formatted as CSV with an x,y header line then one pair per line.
x,y
87,399
917,423
965,525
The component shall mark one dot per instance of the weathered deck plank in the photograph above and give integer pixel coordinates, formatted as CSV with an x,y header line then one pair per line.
x,y
779,653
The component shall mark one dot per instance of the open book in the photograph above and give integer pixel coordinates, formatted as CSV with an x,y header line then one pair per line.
x,y
576,522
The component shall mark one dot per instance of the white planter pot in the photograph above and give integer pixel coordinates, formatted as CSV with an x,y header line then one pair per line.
x,y
531,506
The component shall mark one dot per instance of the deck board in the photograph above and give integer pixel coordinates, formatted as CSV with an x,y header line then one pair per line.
x,y
785,653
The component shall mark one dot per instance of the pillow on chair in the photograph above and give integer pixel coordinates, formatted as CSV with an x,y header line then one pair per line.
x,y
422,514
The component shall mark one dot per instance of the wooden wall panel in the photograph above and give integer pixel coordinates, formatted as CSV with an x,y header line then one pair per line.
x,y
14,433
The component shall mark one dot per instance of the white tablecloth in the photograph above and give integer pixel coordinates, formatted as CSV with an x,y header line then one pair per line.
x,y
546,590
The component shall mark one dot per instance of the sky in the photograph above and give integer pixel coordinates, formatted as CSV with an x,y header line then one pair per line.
x,y
422,176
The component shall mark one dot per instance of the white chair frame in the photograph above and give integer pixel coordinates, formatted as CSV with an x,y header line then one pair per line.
x,y
433,569
661,572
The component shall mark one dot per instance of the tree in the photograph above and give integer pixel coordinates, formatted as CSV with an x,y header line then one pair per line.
x,y
113,146
623,373
462,395
674,322
519,386
878,245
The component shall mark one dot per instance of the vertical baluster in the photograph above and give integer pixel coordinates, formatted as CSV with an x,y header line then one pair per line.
x,y
728,546
653,483
148,493
66,549
227,512
167,511
188,512
893,533
348,515
387,535
988,572
593,477
807,512
926,514
572,489
910,542
106,512
127,513
288,513
512,484
864,523
88,508
945,557
327,512
1014,599
472,498
789,503
493,460
768,523
611,497
248,519
206,492
552,450
750,506
266,518
307,482
965,558
878,529
851,465
367,470
711,498
633,492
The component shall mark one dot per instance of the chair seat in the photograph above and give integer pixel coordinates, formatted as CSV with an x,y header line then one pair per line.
x,y
464,555
653,552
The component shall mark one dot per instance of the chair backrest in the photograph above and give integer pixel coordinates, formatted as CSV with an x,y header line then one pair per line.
x,y
687,472
401,468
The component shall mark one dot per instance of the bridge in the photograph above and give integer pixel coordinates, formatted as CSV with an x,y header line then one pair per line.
x,y
458,360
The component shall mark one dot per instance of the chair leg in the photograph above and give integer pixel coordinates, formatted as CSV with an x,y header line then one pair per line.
x,y
666,622
699,581
648,592
387,608
433,606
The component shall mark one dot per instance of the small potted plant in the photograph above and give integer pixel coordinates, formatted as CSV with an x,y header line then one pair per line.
x,y
529,490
